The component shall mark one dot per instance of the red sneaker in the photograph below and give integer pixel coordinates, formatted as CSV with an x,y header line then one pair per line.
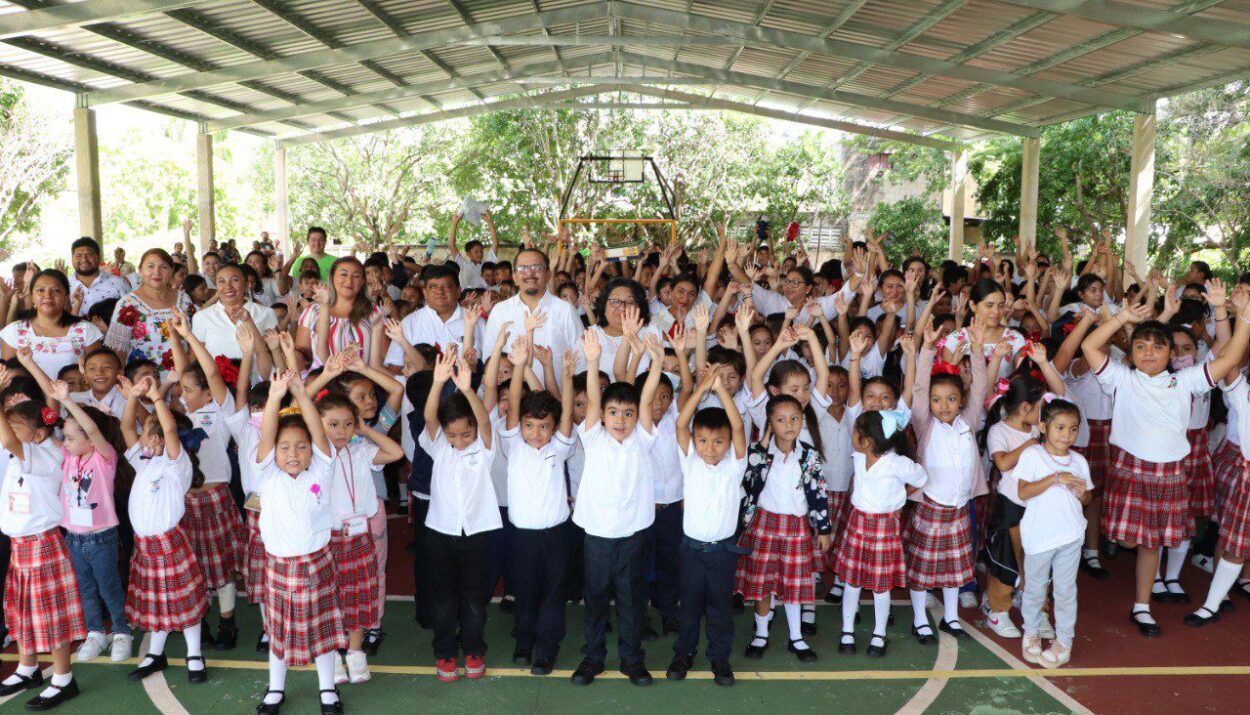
x,y
474,666
448,670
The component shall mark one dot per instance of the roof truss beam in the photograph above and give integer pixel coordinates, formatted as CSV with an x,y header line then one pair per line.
x,y
87,12
1146,19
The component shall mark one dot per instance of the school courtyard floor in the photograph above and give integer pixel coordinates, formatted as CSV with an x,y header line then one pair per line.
x,y
1113,670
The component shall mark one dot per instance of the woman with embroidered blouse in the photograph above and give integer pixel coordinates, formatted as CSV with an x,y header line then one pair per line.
x,y
55,337
140,326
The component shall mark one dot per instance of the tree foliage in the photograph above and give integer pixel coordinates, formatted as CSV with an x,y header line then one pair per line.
x,y
34,160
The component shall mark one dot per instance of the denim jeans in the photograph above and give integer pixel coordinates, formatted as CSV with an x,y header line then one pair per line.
x,y
95,567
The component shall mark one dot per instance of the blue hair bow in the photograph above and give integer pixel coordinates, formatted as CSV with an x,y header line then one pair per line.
x,y
191,438
892,421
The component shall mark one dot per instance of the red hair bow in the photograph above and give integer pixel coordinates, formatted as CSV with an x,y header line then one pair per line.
x,y
322,394
1034,337
49,415
229,371
1000,389
941,367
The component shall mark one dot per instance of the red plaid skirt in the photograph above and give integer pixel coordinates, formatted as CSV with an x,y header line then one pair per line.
x,y
839,512
1147,503
41,605
302,611
1235,522
871,553
254,559
1201,479
166,591
356,570
780,562
937,546
1099,453
1226,466
215,530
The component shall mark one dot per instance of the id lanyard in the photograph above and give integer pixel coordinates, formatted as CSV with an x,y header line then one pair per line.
x,y
350,482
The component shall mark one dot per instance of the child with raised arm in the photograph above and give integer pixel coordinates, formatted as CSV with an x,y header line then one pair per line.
x,y
463,511
713,460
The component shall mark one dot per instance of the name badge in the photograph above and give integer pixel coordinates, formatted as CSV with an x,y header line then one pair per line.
x,y
322,519
356,525
80,516
19,503
252,503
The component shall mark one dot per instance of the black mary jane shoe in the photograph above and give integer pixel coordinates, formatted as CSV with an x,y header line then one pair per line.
x,y
373,641
1164,596
1149,630
1197,620
197,676
1091,566
955,629
847,648
924,638
756,651
26,683
807,629
262,645
878,651
805,655
271,709
159,663
334,708
1177,596
39,703
834,596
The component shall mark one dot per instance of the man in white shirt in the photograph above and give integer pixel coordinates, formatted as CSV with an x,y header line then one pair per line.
x,y
94,285
470,261
563,329
441,322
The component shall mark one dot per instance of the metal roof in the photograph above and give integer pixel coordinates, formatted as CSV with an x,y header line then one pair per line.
x,y
304,70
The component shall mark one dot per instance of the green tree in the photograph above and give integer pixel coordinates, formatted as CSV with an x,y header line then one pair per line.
x,y
34,160
800,177
915,228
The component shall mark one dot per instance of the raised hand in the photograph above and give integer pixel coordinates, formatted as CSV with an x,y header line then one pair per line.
x,y
543,354
860,344
178,321
462,376
286,342
394,331
701,318
907,342
59,391
654,349
535,320
744,316
279,383
678,339
569,362
631,322
804,333
1003,349
243,333
321,295
788,338
1217,293
591,348
444,366
1137,313
519,355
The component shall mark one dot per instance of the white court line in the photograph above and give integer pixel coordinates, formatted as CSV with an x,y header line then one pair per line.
x,y
157,689
1016,664
948,654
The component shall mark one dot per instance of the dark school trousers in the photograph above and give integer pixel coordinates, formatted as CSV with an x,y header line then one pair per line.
x,y
614,568
664,544
538,572
420,575
707,584
457,567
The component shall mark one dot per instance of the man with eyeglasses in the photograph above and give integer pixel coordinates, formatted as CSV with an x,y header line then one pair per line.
x,y
562,330
441,322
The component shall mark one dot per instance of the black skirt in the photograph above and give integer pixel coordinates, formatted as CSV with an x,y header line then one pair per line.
x,y
998,555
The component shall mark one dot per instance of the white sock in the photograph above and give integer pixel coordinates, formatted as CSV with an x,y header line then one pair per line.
x,y
950,605
761,625
226,596
1143,608
809,613
262,620
156,646
794,621
1176,560
919,614
1225,576
850,606
60,680
277,678
881,612
194,637
325,676
25,671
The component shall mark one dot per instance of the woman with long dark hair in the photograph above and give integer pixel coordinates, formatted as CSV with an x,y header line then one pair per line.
x,y
55,337
341,316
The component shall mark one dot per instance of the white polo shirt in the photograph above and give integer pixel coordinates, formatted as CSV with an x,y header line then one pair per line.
x,y
1053,518
537,496
158,496
214,328
1151,414
30,498
470,272
950,459
616,497
563,330
113,402
713,494
425,326
665,458
352,492
295,516
883,488
462,497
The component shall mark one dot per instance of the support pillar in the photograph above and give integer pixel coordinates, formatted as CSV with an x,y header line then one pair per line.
x,y
1141,191
204,189
959,173
282,207
1028,192
87,173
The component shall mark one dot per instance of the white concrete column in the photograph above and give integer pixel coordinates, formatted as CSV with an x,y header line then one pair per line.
x,y
282,206
959,174
87,171
1140,193
1028,192
204,188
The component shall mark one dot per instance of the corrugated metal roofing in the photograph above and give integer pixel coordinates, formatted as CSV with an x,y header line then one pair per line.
x,y
1044,59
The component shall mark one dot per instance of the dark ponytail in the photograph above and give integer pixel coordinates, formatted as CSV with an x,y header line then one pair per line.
x,y
870,426
1022,389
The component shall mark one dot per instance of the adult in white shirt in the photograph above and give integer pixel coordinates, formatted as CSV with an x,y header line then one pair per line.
x,y
215,325
89,285
796,292
441,322
470,260
562,330
616,298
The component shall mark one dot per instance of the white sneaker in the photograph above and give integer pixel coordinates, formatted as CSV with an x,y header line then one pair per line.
x,y
357,666
1000,623
968,599
1031,649
1055,656
120,650
340,671
1045,630
91,648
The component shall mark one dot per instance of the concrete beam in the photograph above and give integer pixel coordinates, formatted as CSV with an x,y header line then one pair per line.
x,y
1141,192
281,200
959,177
1029,170
204,188
87,173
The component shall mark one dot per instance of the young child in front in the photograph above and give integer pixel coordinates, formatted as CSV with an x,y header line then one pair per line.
x,y
713,461
871,553
166,591
41,605
1054,482
1148,507
615,505
294,475
463,511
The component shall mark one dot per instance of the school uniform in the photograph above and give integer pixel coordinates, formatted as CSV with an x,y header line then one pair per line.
x,y
212,522
709,555
245,429
1149,501
303,615
41,604
1198,466
539,557
1093,438
1003,554
871,553
113,402
166,591
835,438
1235,507
664,536
500,540
463,512
615,506
1227,461
354,502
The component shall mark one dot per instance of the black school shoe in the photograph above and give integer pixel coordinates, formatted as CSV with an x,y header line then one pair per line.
x,y
586,672
878,651
722,674
1197,620
542,666
844,647
197,676
373,640
227,634
159,663
266,709
26,683
522,656
805,655
637,674
924,638
39,703
954,628
334,708
1150,630
678,668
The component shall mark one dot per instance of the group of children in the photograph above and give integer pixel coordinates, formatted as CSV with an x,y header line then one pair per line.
x,y
723,427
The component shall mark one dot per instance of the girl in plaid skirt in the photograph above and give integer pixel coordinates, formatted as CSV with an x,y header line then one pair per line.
x,y
294,480
871,553
166,591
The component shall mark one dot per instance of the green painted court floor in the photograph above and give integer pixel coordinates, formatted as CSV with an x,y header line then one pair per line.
x,y
773,684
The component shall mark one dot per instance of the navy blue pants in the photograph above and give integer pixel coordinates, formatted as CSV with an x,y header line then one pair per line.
x,y
539,568
663,546
613,568
707,584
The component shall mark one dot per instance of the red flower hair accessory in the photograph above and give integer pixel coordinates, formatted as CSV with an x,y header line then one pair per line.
x,y
322,394
49,416
941,367
229,371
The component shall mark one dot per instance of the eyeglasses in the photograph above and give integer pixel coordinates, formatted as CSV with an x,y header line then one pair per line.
x,y
617,302
531,268
793,283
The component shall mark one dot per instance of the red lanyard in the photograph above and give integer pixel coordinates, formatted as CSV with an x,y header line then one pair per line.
x,y
350,481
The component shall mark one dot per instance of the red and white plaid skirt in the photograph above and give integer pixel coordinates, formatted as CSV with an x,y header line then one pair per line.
x,y
254,558
780,562
1201,478
302,611
871,553
1226,466
1099,453
356,569
937,546
41,606
1148,503
1235,517
839,512
215,530
166,591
